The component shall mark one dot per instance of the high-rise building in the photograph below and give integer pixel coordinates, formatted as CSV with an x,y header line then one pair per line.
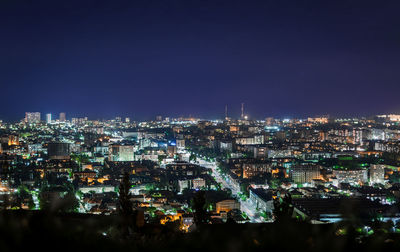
x,y
351,176
62,117
118,152
305,173
48,118
357,136
226,113
377,174
180,144
59,150
159,118
127,120
32,117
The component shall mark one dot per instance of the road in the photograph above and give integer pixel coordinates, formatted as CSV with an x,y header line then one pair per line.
x,y
245,205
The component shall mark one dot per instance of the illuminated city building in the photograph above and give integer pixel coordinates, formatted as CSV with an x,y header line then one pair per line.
x,y
59,150
305,173
79,121
226,145
13,140
255,169
227,205
62,117
260,152
199,183
377,174
32,117
391,117
261,199
351,176
320,120
180,144
257,139
117,152
48,118
171,150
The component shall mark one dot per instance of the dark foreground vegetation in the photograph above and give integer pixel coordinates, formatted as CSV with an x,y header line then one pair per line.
x,y
42,231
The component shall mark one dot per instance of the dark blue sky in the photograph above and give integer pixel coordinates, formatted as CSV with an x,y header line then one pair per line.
x,y
143,58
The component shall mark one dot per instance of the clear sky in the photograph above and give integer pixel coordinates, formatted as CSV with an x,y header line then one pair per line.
x,y
144,58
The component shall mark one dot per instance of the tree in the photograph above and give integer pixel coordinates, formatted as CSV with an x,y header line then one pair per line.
x,y
69,203
274,183
80,158
283,209
192,157
6,202
76,181
24,194
161,158
199,207
125,206
244,188
58,198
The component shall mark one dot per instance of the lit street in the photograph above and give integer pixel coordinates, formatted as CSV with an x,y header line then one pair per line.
x,y
245,206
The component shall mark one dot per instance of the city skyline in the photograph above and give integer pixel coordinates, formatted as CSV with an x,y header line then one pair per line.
x,y
48,117
204,125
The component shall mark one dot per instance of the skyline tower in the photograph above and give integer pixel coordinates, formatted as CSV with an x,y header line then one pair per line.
x,y
62,117
48,118
242,115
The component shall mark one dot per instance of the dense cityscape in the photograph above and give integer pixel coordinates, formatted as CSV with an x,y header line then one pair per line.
x,y
199,125
243,167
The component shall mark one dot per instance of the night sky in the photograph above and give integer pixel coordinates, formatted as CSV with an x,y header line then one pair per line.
x,y
282,58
